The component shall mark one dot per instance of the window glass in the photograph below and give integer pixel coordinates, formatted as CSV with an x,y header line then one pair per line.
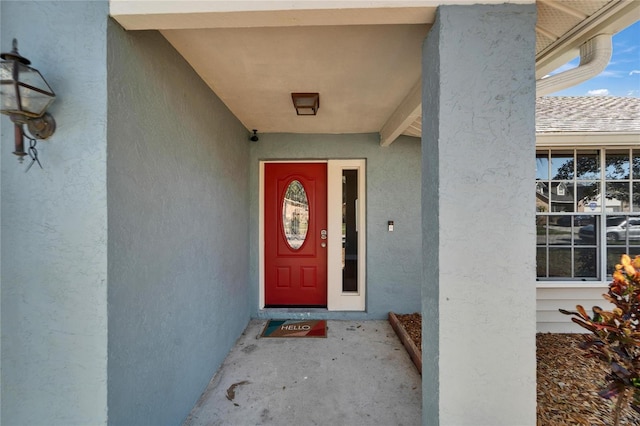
x,y
586,262
560,262
587,211
636,164
562,165
588,196
562,197
349,231
588,165
541,262
617,197
542,165
542,196
617,164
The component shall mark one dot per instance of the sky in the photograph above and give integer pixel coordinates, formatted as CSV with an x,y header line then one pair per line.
x,y
622,75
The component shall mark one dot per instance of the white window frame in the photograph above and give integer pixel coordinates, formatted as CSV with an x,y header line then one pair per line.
x,y
568,141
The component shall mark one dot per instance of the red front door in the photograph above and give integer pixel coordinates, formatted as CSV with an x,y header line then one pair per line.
x,y
295,223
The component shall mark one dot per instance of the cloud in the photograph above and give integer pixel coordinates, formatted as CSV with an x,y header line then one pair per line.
x,y
598,92
634,72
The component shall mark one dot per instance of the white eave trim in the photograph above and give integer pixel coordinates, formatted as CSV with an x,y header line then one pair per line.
x,y
551,139
177,14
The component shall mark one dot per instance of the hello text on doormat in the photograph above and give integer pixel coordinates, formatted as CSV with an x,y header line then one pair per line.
x,y
295,328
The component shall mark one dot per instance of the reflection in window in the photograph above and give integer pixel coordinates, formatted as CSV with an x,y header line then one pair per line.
x,y
588,165
587,211
295,215
617,164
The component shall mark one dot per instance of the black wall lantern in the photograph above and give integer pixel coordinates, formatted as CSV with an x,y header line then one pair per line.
x,y
25,97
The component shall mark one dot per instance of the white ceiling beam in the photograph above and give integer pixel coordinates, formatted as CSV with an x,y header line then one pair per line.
x,y
406,113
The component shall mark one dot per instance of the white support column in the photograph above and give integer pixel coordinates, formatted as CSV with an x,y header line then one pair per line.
x,y
478,291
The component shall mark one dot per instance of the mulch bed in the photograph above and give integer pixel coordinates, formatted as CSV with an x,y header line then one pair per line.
x,y
567,381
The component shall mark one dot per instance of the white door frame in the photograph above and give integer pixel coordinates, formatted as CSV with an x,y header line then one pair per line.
x,y
337,300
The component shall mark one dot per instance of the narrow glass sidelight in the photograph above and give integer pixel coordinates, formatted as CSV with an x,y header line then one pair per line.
x,y
349,231
295,215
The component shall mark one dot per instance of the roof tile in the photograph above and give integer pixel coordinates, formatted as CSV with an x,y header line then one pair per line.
x,y
587,114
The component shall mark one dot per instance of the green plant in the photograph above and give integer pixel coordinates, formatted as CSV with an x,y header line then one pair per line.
x,y
615,335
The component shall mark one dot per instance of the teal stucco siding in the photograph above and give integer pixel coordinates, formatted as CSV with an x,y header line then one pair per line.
x,y
178,240
54,224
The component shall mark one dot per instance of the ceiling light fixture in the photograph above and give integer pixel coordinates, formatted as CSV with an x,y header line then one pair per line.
x,y
306,103
254,137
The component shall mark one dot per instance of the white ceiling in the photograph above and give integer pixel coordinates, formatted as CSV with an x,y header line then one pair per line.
x,y
364,62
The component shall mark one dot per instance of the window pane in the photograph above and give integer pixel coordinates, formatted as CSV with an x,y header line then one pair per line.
x,y
588,195
562,199
586,262
541,262
559,262
542,165
617,197
542,196
583,226
636,164
560,230
562,165
636,196
613,258
541,229
588,165
617,164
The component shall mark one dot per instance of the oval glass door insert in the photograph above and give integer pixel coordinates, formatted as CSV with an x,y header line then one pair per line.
x,y
295,215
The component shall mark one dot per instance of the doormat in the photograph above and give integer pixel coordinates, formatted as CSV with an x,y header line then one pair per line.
x,y
295,328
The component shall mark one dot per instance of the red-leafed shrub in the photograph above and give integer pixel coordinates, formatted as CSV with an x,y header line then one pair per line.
x,y
615,335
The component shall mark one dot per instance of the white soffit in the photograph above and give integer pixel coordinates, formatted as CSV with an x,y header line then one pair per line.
x,y
362,56
361,72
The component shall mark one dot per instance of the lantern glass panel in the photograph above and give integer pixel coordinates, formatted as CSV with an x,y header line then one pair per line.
x,y
33,102
35,93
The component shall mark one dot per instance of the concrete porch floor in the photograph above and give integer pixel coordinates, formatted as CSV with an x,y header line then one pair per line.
x,y
359,375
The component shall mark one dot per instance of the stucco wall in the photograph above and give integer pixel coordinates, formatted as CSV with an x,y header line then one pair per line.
x,y
54,225
178,239
394,259
479,290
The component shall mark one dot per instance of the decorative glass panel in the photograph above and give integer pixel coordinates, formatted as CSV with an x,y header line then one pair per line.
x,y
295,214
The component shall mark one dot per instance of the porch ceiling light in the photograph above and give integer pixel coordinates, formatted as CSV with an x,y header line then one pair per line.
x,y
306,103
25,97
